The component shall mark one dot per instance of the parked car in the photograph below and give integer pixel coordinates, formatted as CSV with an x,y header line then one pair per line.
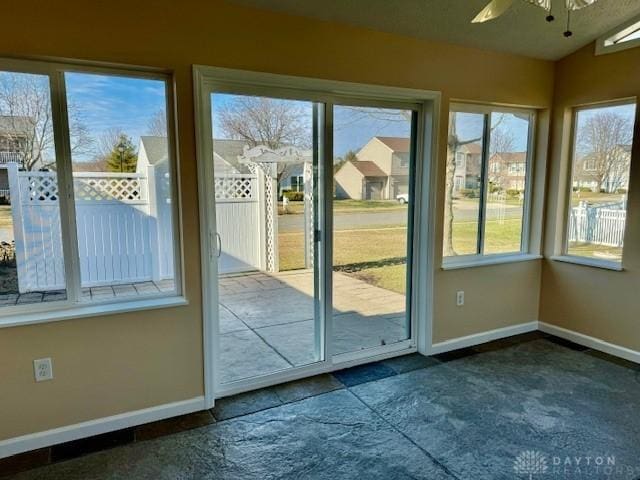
x,y
403,198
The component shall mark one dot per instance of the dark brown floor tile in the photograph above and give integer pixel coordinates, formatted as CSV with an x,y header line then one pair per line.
x,y
455,354
611,359
24,461
307,387
173,425
96,443
245,403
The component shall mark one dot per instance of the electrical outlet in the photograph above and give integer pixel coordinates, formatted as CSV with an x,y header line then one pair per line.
x,y
460,298
43,370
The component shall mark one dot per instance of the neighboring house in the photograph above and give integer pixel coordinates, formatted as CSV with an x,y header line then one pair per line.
x,y
508,170
152,150
610,176
467,173
380,173
14,140
293,179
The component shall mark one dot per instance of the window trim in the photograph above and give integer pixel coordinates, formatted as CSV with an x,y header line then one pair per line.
x,y
73,306
564,255
607,42
481,259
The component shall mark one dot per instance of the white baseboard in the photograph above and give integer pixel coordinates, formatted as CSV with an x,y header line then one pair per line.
x,y
591,342
33,441
483,337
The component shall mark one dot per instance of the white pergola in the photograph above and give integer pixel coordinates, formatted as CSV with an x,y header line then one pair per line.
x,y
267,160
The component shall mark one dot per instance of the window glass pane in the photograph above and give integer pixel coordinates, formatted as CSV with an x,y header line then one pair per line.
x,y
31,256
600,181
463,184
122,185
506,187
634,35
372,198
266,192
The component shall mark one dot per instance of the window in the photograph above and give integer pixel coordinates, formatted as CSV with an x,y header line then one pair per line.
x,y
598,203
589,164
488,215
621,38
517,168
86,191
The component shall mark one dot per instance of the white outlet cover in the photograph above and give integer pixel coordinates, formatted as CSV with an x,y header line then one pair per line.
x,y
43,369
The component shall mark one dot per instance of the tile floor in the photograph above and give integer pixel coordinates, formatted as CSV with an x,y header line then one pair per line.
x,y
465,416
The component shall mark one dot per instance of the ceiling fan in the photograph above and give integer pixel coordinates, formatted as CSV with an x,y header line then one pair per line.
x,y
495,8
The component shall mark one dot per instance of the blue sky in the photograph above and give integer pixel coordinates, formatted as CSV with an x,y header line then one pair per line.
x,y
353,128
470,126
105,102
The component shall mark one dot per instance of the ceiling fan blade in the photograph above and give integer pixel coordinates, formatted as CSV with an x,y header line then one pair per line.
x,y
578,4
546,4
494,9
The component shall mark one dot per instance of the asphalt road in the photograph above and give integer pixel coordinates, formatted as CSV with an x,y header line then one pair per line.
x,y
349,220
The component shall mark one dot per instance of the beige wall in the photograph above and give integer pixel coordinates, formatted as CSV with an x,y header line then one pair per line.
x,y
600,303
112,364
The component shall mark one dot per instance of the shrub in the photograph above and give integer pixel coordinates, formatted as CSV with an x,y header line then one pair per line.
x,y
294,196
469,193
621,191
513,192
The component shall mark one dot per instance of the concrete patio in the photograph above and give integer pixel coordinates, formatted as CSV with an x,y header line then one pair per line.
x,y
103,292
266,320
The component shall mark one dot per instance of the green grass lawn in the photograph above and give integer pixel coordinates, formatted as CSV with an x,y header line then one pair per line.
x,y
601,252
593,197
377,256
297,208
499,237
5,216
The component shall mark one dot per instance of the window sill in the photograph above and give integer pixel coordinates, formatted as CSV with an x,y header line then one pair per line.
x,y
488,260
94,310
589,262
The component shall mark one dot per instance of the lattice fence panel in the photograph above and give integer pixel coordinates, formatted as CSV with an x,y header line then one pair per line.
x,y
236,188
39,187
129,189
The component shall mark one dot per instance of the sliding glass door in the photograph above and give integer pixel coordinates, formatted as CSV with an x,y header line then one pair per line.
x,y
309,203
373,152
265,157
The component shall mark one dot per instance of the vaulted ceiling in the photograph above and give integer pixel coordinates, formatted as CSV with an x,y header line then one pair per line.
x,y
522,30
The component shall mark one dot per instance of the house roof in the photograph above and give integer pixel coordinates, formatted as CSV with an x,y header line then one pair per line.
x,y
397,144
11,124
472,148
229,151
368,168
156,148
512,157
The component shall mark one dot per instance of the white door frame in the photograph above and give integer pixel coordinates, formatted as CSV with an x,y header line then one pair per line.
x,y
426,103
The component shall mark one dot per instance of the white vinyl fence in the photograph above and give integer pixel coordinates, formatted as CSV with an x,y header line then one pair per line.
x,y
123,226
240,204
597,225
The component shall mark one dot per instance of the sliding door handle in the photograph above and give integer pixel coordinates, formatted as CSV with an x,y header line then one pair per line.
x,y
219,244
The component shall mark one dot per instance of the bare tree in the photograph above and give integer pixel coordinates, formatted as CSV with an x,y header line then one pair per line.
x,y
502,142
603,140
25,104
157,125
270,122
